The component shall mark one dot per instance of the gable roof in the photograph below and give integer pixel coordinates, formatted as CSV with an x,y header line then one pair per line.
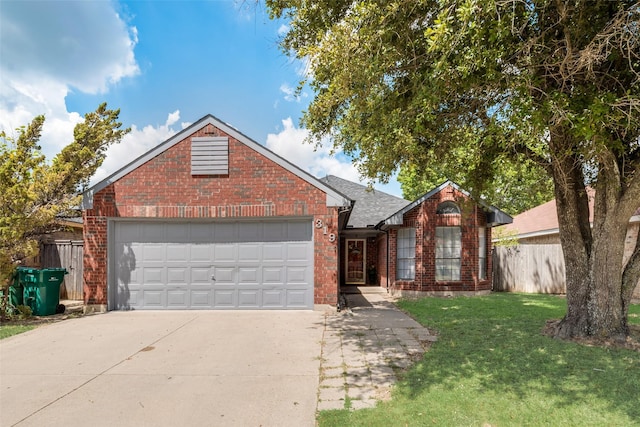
x,y
334,198
371,205
494,215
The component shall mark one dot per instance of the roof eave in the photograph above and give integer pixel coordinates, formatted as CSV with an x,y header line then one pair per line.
x,y
333,199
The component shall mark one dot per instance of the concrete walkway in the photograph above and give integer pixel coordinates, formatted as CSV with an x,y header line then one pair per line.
x,y
363,347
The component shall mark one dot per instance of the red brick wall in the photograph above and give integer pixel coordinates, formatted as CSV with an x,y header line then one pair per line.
x,y
425,220
163,187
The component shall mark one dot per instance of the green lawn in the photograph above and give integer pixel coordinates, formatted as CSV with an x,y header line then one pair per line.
x,y
491,366
9,330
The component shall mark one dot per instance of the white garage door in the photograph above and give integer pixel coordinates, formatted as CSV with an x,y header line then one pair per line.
x,y
222,265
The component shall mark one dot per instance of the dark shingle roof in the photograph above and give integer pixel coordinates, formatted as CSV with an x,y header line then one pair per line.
x,y
371,206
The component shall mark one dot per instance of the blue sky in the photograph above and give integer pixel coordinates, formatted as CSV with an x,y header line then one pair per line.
x,y
165,64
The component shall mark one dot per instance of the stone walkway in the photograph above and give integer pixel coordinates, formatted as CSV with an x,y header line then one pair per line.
x,y
362,349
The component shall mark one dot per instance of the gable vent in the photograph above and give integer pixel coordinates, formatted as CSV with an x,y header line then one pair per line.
x,y
210,155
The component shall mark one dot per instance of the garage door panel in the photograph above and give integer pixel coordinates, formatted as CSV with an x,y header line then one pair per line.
x,y
153,275
298,231
273,252
133,299
200,252
296,298
153,232
249,232
220,265
224,275
297,274
247,275
177,252
154,298
249,298
275,232
199,232
296,252
201,275
202,299
225,252
154,252
273,298
224,298
273,275
177,231
225,232
177,275
249,252
177,298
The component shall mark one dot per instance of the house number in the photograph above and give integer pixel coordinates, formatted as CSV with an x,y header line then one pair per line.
x,y
319,223
332,237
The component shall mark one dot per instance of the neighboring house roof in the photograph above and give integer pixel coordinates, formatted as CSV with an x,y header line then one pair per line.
x,y
371,206
334,198
494,215
75,222
543,219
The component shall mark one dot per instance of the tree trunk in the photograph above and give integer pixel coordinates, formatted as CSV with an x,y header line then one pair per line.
x,y
598,293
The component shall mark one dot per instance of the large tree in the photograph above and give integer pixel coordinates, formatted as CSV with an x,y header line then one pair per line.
x,y
517,185
34,192
410,81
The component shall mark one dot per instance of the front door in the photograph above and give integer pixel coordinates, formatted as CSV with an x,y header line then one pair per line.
x,y
355,260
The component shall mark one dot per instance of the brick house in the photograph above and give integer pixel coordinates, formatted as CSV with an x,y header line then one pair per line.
x,y
439,244
210,219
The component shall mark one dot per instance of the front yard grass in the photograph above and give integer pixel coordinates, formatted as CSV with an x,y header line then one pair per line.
x,y
492,366
9,330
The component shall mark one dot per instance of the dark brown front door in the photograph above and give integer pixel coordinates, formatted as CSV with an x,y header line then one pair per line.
x,y
355,254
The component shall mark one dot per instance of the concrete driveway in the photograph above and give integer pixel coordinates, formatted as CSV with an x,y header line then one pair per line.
x,y
211,368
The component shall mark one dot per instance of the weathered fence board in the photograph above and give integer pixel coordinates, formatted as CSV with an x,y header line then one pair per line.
x,y
529,268
66,254
532,268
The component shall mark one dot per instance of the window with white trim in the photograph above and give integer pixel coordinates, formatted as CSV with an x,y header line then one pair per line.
x,y
447,208
482,253
406,254
448,251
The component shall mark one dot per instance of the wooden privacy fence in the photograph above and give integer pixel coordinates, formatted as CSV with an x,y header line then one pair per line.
x,y
65,254
529,268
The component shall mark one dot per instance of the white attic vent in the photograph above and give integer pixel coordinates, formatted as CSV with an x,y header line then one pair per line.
x,y
210,155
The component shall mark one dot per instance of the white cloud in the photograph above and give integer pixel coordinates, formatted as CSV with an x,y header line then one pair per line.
x,y
283,29
290,144
290,93
134,144
49,48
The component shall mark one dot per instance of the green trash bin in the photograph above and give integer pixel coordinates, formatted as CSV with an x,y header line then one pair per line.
x,y
21,276
43,295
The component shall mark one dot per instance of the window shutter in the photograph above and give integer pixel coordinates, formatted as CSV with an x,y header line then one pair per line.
x,y
209,156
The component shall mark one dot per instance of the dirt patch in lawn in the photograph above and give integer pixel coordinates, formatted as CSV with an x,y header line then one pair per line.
x,y
632,342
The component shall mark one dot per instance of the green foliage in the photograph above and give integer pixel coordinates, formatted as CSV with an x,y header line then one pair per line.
x,y
33,192
473,87
516,187
24,311
492,366
478,90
